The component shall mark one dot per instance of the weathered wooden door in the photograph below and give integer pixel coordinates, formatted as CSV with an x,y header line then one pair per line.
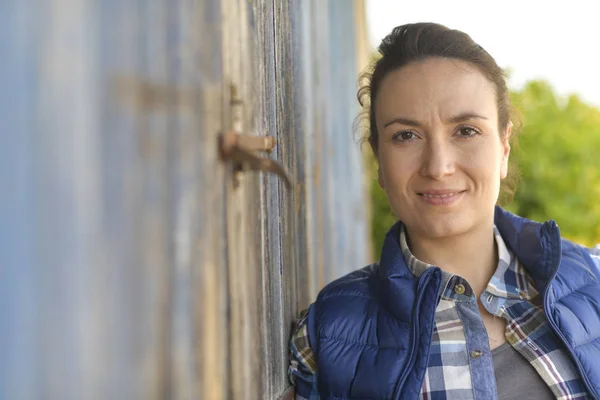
x,y
135,262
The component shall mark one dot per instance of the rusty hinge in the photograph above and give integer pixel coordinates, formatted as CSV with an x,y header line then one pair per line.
x,y
239,149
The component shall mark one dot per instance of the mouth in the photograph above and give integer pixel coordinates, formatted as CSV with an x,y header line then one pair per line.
x,y
440,194
441,197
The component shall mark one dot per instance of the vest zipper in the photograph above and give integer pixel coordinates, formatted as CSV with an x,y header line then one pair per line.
x,y
413,339
552,230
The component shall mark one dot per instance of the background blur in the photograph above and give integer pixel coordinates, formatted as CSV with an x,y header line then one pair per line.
x,y
144,255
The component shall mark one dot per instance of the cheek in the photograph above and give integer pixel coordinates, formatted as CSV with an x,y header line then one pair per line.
x,y
396,168
484,165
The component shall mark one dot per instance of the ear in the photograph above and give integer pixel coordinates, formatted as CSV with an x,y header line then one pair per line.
x,y
505,142
380,178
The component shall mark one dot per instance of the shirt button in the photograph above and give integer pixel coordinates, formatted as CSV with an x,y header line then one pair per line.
x,y
475,354
459,289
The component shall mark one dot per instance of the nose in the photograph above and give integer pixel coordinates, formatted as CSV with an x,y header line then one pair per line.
x,y
438,159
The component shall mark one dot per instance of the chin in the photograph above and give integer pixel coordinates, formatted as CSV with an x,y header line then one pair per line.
x,y
443,225
444,230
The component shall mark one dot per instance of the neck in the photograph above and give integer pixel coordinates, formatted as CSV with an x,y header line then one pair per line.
x,y
472,255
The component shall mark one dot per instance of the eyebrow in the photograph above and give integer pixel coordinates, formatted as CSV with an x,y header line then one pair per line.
x,y
464,116
403,121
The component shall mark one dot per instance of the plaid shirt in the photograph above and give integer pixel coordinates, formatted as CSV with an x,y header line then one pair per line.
x,y
460,362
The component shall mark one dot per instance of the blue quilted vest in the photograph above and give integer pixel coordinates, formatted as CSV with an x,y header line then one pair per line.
x,y
371,329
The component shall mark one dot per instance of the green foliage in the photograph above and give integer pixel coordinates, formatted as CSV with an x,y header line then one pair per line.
x,y
557,154
382,217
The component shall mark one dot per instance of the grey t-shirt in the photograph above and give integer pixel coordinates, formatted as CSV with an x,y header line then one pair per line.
x,y
516,378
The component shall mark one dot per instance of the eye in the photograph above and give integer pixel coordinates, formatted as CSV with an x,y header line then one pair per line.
x,y
467,132
404,136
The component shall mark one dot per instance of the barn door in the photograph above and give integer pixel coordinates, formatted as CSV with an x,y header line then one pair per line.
x,y
136,261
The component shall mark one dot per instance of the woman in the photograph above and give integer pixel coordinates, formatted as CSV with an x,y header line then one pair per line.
x,y
467,301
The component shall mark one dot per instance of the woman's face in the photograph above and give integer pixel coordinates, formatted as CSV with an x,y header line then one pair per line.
x,y
441,156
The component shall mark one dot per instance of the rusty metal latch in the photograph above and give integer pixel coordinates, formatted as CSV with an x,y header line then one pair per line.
x,y
240,148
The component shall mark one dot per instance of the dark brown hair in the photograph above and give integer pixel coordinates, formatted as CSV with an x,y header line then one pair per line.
x,y
416,42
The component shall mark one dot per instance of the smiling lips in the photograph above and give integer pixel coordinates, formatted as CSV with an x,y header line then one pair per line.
x,y
440,197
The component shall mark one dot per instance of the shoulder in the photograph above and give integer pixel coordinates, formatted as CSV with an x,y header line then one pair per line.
x,y
588,258
345,301
341,303
330,303
595,254
354,309
358,283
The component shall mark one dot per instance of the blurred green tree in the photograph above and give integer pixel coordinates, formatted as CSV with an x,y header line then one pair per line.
x,y
558,158
557,155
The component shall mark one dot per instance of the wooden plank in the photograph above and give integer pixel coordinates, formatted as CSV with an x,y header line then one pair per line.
x,y
264,123
210,313
132,61
349,217
153,224
18,375
292,154
243,217
187,186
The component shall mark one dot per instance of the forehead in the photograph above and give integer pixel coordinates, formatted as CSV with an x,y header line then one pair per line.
x,y
435,87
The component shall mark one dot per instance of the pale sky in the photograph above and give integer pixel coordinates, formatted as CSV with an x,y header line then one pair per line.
x,y
558,41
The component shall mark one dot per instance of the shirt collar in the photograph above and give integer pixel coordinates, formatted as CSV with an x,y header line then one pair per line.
x,y
416,266
510,281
